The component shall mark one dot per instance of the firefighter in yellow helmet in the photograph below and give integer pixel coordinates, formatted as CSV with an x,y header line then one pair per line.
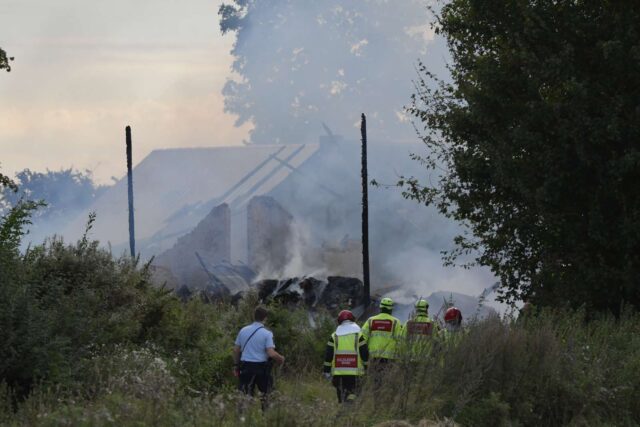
x,y
419,330
382,332
346,357
420,325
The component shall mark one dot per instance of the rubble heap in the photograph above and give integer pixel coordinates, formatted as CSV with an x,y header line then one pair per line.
x,y
334,293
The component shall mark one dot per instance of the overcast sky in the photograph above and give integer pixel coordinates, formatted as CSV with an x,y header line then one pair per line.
x,y
85,69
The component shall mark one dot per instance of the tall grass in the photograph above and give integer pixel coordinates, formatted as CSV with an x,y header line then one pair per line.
x,y
86,340
552,369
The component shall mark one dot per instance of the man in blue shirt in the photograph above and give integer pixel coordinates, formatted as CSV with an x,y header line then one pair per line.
x,y
251,353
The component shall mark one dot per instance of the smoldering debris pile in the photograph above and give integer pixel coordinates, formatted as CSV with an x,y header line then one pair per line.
x,y
226,281
336,292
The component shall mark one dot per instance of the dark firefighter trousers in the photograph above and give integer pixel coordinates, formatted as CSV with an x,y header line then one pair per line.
x,y
346,385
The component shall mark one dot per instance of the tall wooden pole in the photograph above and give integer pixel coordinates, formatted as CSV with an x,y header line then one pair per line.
x,y
132,234
365,215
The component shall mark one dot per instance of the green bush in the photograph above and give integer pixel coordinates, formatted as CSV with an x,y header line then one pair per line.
x,y
66,299
301,336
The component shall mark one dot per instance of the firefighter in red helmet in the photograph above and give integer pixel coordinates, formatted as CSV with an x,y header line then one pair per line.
x,y
346,357
452,320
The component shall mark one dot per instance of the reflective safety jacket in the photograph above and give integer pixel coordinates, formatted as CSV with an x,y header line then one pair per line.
x,y
420,334
453,337
420,326
346,355
382,332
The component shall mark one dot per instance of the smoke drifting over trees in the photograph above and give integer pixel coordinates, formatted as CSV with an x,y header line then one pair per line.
x,y
66,193
302,63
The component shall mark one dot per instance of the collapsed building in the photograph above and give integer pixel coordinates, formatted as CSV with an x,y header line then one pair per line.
x,y
223,218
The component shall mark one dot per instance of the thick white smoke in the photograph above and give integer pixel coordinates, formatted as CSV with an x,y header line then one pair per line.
x,y
301,64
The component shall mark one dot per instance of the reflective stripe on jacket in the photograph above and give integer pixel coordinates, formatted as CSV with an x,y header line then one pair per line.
x,y
420,334
346,355
420,326
363,351
382,332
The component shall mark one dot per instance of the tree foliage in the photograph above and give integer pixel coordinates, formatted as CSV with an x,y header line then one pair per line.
x,y
537,135
4,60
299,64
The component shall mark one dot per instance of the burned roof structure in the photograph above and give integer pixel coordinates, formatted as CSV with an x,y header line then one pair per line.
x,y
176,188
261,204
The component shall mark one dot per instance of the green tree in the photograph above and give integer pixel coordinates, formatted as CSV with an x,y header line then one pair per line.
x,y
536,138
4,60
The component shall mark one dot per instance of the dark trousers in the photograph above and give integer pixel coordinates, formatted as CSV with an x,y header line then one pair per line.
x,y
346,387
254,374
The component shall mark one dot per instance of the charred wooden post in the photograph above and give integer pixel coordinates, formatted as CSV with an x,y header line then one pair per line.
x,y
365,215
132,239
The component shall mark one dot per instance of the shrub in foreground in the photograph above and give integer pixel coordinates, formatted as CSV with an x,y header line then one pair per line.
x,y
552,369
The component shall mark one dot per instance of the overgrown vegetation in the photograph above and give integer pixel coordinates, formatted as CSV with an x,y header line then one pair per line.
x,y
553,368
86,340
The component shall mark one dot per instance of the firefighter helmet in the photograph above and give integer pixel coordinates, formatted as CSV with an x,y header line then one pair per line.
x,y
453,315
345,315
422,305
386,303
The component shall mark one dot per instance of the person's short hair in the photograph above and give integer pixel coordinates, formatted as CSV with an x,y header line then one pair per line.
x,y
260,313
386,310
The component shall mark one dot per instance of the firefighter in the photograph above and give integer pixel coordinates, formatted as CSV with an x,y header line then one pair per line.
x,y
346,357
421,325
382,333
419,330
452,321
